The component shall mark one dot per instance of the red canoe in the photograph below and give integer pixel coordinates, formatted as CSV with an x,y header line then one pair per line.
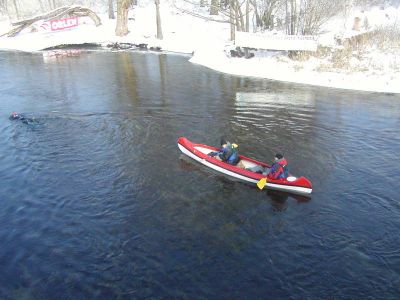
x,y
298,185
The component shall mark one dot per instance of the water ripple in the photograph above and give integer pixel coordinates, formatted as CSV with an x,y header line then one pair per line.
x,y
98,203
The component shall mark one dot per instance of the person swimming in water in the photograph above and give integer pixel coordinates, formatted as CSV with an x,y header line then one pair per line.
x,y
22,118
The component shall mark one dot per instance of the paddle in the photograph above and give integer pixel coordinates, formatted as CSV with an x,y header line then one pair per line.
x,y
261,183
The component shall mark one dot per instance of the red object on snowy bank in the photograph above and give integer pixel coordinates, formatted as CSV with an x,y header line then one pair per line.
x,y
64,23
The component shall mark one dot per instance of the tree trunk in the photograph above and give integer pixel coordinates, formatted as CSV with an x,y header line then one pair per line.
x,y
247,16
16,9
3,7
239,17
258,18
122,17
287,17
237,22
158,20
268,21
214,7
232,20
41,6
111,14
292,17
52,4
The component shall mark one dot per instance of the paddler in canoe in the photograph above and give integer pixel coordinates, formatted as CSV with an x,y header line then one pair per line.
x,y
228,153
278,170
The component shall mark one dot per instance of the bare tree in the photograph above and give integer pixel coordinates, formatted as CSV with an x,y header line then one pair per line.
x,y
231,11
239,16
259,22
291,16
315,13
16,8
296,16
306,17
52,4
3,7
269,12
247,16
158,20
232,19
264,12
224,9
214,7
42,9
122,17
111,14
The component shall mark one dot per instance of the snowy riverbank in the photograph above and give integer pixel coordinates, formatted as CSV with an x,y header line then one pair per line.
x,y
209,43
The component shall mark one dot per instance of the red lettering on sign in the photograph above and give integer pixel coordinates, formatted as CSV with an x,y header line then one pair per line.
x,y
64,23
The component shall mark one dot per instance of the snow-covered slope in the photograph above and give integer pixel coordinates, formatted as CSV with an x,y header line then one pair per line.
x,y
209,43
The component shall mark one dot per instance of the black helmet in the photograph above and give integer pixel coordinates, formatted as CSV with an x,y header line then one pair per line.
x,y
222,141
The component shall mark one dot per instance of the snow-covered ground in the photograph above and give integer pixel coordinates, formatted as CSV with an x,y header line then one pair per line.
x,y
209,43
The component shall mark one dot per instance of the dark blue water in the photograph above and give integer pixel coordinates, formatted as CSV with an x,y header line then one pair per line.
x,y
97,202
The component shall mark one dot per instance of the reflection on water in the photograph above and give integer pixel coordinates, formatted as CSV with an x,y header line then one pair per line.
x,y
98,202
304,98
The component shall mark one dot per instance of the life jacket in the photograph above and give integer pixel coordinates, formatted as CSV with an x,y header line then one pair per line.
x,y
279,170
285,172
230,154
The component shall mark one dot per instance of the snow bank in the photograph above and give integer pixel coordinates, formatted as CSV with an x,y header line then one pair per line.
x,y
209,42
281,69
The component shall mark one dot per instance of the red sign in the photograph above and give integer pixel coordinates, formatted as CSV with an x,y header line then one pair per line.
x,y
64,23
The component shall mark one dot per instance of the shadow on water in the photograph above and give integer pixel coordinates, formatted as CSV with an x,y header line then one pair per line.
x,y
278,199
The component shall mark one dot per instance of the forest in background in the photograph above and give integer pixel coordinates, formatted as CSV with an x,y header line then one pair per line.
x,y
294,17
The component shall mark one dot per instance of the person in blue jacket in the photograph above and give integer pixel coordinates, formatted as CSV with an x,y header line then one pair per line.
x,y
227,153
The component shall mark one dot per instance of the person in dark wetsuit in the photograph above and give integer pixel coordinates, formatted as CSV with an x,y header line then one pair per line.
x,y
22,118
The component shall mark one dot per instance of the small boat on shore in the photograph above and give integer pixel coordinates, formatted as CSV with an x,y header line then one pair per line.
x,y
298,185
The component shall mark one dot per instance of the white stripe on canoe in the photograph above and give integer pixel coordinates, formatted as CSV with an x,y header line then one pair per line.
x,y
295,189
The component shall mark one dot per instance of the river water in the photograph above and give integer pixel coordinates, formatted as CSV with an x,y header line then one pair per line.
x,y
97,202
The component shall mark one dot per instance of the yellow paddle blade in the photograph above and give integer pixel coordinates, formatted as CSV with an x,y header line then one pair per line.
x,y
261,183
234,145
